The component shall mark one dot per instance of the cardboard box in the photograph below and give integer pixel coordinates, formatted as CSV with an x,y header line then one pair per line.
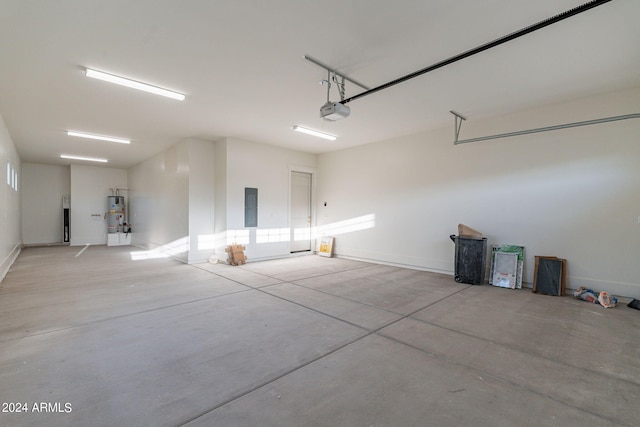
x,y
235,254
466,231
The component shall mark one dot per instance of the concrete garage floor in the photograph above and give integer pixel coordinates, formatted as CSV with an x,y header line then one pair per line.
x,y
103,340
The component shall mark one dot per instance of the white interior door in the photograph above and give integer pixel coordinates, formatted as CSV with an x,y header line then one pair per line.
x,y
300,211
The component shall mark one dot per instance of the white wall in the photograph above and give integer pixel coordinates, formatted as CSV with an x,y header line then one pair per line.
x,y
201,200
90,187
159,202
188,202
43,187
220,198
571,193
10,222
266,168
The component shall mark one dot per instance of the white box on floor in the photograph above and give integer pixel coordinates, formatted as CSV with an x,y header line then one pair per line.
x,y
118,239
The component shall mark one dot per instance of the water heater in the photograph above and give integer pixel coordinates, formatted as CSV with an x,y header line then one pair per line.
x,y
115,214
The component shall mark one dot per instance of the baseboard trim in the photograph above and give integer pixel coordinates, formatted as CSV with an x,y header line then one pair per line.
x,y
8,261
394,264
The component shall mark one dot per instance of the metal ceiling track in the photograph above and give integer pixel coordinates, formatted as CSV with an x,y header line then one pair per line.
x,y
335,72
557,18
459,118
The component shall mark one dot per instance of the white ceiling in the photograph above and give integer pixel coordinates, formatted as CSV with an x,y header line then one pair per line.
x,y
241,65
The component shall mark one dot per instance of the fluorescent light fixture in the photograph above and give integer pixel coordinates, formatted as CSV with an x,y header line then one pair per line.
x,y
314,133
133,84
89,159
99,137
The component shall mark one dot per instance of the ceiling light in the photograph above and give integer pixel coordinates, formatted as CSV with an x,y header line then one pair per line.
x,y
314,133
99,137
89,159
133,84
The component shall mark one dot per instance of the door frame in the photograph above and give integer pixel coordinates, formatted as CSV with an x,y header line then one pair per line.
x,y
312,172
